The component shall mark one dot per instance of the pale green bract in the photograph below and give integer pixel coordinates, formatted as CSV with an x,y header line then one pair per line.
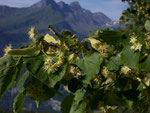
x,y
50,39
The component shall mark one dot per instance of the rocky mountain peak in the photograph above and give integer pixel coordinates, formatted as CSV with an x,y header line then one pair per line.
x,y
44,3
75,4
62,4
47,2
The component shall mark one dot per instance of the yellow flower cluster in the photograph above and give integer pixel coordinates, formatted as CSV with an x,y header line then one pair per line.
x,y
133,39
50,65
125,70
51,50
136,45
104,49
105,72
75,71
96,79
31,32
108,74
7,48
105,109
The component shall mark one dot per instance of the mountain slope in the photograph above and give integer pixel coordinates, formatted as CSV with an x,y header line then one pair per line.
x,y
82,20
15,22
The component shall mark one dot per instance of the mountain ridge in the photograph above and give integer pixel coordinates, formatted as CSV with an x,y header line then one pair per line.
x,y
15,22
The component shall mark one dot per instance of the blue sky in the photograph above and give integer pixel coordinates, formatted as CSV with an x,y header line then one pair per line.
x,y
112,8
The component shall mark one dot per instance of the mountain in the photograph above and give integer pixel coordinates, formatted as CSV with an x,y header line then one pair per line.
x,y
15,22
82,20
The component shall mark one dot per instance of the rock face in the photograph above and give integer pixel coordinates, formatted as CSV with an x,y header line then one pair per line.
x,y
82,20
45,3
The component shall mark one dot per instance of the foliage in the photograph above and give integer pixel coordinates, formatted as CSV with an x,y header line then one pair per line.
x,y
105,72
136,15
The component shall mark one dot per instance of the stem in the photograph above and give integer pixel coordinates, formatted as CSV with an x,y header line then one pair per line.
x,y
105,84
42,49
144,84
18,60
142,81
82,53
53,31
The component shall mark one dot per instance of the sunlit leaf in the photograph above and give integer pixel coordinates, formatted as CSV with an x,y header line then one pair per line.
x,y
90,65
147,25
94,43
130,58
22,84
48,38
26,52
146,65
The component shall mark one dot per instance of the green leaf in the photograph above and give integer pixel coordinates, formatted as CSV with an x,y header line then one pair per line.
x,y
34,64
112,99
111,37
70,41
90,65
78,108
114,63
94,43
74,104
79,94
52,78
129,104
67,103
147,25
19,67
18,103
72,58
147,1
67,38
26,52
8,73
35,67
130,58
22,82
48,38
78,105
146,65
38,91
37,104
